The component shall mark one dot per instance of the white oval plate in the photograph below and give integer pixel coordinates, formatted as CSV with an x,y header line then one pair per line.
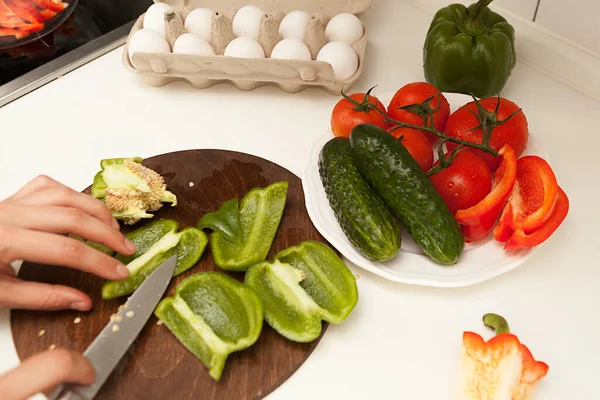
x,y
479,262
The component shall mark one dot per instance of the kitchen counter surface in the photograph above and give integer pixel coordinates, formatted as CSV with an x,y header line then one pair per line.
x,y
401,341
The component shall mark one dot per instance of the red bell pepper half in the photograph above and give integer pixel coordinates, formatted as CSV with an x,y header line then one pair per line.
x,y
532,199
499,369
477,221
520,239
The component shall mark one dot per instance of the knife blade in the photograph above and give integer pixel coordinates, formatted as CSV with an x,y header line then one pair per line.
x,y
114,340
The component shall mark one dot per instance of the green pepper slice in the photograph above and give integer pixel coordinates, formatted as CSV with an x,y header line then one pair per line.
x,y
213,315
260,213
305,284
155,243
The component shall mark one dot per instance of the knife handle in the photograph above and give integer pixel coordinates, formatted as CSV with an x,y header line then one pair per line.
x,y
62,393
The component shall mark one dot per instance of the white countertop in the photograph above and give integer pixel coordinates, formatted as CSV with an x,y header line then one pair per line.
x,y
401,341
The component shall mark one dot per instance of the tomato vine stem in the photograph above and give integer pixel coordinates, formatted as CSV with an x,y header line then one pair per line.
x,y
431,129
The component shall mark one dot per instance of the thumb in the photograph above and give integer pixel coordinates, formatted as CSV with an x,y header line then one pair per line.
x,y
44,371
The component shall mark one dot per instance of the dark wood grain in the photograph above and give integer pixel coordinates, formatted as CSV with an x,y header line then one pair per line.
x,y
157,366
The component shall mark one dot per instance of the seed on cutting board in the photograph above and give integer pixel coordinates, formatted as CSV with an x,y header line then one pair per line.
x,y
77,320
191,184
119,318
41,333
130,314
52,347
115,328
159,322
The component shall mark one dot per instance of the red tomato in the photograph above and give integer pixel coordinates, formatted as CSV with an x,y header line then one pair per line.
x,y
417,93
462,124
417,145
465,182
346,116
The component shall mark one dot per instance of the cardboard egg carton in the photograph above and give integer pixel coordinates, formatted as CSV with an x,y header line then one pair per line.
x,y
158,69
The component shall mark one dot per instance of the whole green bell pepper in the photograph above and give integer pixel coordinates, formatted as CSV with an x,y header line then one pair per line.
x,y
213,315
242,234
305,284
469,50
155,243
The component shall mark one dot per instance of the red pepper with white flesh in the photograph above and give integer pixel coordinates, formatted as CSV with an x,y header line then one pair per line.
x,y
499,369
477,221
520,240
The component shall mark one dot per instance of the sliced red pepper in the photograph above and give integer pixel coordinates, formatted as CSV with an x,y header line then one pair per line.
x,y
8,19
26,10
13,32
520,239
532,199
50,5
478,220
502,368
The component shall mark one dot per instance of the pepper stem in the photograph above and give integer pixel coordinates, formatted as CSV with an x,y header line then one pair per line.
x,y
478,9
496,323
472,24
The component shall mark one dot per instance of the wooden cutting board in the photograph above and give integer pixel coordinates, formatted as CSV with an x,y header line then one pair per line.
x,y
157,366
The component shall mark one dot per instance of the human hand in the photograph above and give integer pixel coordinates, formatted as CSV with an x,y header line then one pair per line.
x,y
45,371
32,226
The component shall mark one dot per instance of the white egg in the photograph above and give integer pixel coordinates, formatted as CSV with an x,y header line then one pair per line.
x,y
199,22
293,25
243,47
154,18
246,22
188,43
291,49
147,41
342,58
344,27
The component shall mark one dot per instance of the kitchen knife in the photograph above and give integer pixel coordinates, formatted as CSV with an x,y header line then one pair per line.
x,y
114,340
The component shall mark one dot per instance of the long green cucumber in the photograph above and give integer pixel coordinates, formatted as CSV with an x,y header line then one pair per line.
x,y
363,216
397,178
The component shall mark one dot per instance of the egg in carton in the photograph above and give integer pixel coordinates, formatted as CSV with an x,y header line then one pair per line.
x,y
293,44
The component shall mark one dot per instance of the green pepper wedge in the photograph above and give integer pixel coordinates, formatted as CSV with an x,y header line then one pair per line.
x,y
258,219
304,285
469,50
155,243
213,315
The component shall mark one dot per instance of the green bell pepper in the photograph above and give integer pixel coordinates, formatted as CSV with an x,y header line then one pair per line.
x,y
155,243
213,315
469,50
243,237
304,285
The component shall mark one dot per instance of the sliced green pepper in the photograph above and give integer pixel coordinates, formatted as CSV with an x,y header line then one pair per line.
x,y
305,284
155,243
225,221
260,213
213,315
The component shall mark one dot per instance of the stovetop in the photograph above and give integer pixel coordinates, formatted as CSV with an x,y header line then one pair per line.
x,y
94,28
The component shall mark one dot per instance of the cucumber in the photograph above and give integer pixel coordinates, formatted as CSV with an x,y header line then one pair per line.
x,y
397,178
363,216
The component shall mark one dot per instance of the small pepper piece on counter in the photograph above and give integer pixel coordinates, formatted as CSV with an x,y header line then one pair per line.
x,y
304,285
254,227
521,240
477,221
155,243
130,190
469,50
213,315
499,369
532,200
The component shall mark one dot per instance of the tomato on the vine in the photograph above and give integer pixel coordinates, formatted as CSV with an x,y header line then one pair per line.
x,y
465,182
417,145
506,121
420,112
346,114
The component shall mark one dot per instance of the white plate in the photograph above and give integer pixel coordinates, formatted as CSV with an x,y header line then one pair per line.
x,y
479,262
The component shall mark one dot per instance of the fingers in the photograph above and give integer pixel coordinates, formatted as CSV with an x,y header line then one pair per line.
x,y
63,196
18,294
45,371
63,220
7,270
39,183
45,248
